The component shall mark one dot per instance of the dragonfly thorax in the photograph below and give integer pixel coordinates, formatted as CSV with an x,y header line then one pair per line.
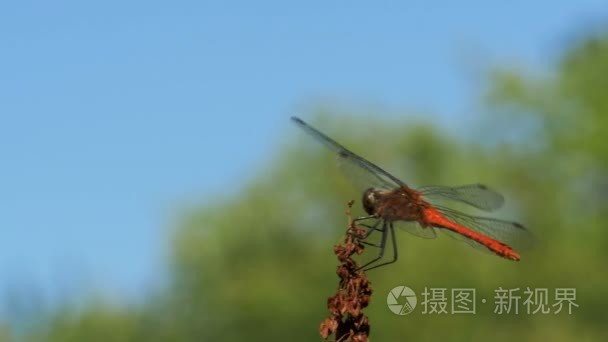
x,y
400,204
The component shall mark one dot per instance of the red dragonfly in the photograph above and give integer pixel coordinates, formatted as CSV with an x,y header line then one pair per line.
x,y
391,203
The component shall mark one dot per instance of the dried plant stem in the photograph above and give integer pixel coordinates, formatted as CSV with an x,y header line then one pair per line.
x,y
347,320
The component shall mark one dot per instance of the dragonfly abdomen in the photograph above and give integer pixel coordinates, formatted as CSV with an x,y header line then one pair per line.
x,y
434,218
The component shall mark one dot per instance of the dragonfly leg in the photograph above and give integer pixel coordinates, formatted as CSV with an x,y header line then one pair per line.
x,y
370,244
370,230
395,252
363,218
382,247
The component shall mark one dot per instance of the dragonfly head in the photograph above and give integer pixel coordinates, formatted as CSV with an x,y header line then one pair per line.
x,y
370,198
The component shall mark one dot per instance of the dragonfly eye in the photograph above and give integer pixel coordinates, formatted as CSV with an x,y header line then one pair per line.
x,y
369,200
371,197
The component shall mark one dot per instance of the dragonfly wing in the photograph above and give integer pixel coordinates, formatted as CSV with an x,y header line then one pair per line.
x,y
416,229
360,175
361,172
476,195
511,233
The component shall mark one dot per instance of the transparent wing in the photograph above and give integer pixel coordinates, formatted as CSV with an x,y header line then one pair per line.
x,y
511,233
416,229
476,195
361,172
361,176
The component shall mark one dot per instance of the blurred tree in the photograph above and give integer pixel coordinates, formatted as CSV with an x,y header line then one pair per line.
x,y
5,334
258,264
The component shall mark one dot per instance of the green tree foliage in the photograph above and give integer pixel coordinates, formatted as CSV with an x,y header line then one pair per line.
x,y
256,264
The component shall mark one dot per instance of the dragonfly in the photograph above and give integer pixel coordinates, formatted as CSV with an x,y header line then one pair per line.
x,y
390,203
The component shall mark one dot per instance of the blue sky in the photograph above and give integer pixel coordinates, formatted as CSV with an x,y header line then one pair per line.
x,y
115,114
